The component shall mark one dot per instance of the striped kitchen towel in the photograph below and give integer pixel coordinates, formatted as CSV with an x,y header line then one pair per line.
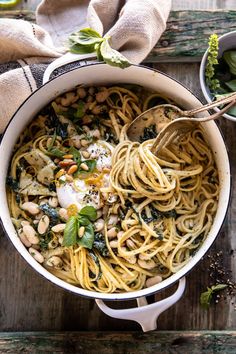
x,y
26,49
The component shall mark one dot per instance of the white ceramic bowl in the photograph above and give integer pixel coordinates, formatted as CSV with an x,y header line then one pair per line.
x,y
226,42
102,74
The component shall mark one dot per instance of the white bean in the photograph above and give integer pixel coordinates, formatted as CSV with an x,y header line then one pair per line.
x,y
30,233
58,228
85,154
112,233
120,234
76,141
113,219
146,264
113,244
25,222
23,238
153,280
99,225
36,254
84,142
130,244
31,207
99,213
131,259
43,224
63,214
54,261
53,202
96,134
144,257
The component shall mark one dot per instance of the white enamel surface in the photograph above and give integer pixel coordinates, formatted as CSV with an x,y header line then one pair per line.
x,y
101,74
145,314
226,42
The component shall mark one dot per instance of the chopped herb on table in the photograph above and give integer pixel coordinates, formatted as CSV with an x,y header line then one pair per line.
x,y
220,73
207,296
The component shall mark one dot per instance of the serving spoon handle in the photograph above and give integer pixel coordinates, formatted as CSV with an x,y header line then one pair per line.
x,y
207,106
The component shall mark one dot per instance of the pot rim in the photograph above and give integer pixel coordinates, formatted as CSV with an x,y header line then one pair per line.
x,y
124,295
204,87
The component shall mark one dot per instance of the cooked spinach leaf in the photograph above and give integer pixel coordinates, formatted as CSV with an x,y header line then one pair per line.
x,y
51,212
148,133
12,183
100,244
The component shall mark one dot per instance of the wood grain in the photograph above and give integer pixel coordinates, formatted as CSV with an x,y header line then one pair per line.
x,y
186,36
28,302
119,343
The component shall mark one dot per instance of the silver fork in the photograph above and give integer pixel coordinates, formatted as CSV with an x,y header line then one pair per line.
x,y
182,126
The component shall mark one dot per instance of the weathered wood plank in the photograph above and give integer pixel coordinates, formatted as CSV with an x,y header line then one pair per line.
x,y
186,36
204,342
187,33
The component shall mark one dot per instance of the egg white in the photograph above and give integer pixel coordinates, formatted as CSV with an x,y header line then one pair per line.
x,y
78,192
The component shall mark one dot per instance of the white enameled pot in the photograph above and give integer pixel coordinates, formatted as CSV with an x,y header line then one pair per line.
x,y
102,74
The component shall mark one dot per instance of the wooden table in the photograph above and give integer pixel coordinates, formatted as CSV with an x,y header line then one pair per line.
x,y
29,303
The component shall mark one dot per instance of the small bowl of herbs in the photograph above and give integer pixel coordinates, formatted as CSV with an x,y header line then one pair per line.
x,y
218,70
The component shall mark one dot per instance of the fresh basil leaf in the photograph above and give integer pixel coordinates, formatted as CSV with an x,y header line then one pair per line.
x,y
231,85
90,212
219,287
98,51
83,221
85,36
84,41
112,56
70,232
88,237
76,155
81,49
56,152
206,297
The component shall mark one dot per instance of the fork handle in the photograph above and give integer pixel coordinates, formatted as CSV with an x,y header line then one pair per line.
x,y
207,106
217,114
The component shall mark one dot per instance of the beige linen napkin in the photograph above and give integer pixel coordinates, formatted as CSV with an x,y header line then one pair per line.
x,y
26,49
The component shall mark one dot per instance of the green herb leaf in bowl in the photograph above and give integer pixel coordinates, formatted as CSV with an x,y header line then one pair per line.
x,y
230,59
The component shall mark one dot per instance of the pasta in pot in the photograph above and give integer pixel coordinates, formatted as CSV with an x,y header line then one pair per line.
x,y
102,212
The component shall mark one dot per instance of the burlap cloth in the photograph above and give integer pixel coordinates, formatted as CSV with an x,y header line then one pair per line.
x,y
26,49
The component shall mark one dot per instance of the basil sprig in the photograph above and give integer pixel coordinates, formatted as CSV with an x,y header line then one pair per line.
x,y
88,40
84,218
206,297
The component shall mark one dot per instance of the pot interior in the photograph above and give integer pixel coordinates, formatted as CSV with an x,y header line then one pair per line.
x,y
101,74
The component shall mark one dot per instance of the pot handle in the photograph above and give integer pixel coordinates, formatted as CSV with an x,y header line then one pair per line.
x,y
145,314
63,60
